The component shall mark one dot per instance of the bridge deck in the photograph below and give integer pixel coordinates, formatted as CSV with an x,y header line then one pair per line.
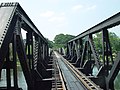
x,y
72,81
71,78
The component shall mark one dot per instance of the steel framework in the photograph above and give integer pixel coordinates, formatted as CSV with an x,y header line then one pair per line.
x,y
32,53
82,53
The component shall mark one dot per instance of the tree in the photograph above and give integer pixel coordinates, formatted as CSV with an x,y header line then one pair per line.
x,y
50,43
60,40
98,41
114,41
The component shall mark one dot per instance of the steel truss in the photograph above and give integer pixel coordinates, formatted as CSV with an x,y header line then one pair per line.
x,y
32,53
82,53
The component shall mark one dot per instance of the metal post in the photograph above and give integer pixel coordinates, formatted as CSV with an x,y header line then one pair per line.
x,y
76,49
8,69
14,61
107,52
80,50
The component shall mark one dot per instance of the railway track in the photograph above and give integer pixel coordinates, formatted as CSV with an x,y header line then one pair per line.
x,y
72,78
58,82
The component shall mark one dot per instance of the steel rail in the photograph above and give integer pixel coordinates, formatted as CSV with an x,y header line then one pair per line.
x,y
80,76
62,79
87,82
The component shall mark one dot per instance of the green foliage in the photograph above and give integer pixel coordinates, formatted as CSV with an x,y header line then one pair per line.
x,y
50,43
60,40
114,41
98,41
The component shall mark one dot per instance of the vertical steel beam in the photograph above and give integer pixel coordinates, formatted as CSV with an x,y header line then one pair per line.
x,y
47,51
14,61
80,48
43,51
29,42
32,43
8,74
87,49
76,49
71,49
107,52
39,57
67,50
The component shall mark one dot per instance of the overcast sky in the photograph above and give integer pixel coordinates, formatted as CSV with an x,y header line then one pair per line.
x,y
53,17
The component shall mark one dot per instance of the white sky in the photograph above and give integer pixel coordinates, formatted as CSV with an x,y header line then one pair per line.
x,y
53,17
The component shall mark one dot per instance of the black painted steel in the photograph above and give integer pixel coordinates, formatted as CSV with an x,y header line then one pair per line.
x,y
32,52
108,23
84,48
34,56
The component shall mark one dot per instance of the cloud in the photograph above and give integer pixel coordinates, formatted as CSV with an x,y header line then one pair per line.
x,y
83,8
53,1
62,13
57,19
77,7
62,24
47,14
91,7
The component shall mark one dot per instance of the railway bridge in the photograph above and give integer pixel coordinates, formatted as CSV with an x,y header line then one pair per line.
x,y
69,68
